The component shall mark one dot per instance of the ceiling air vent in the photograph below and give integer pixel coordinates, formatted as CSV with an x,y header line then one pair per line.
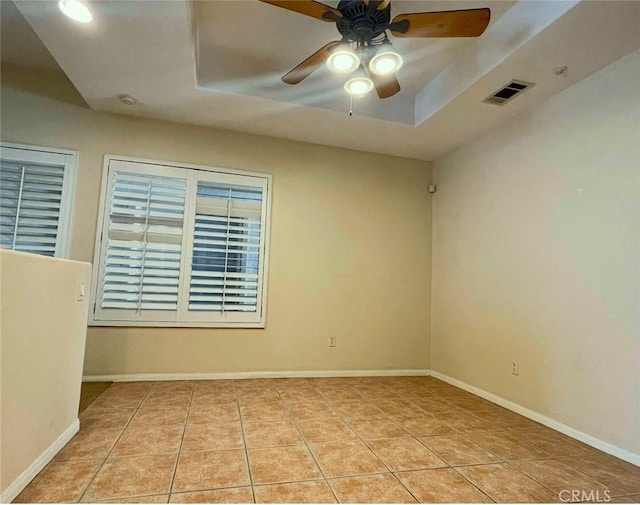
x,y
508,92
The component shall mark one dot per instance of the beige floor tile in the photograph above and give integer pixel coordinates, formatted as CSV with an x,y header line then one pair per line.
x,y
435,405
611,471
339,460
273,434
423,425
282,464
90,444
268,411
316,491
562,479
320,431
172,416
506,420
214,386
358,410
316,409
458,450
133,476
376,394
166,400
139,440
402,409
340,394
502,483
210,437
370,429
185,386
380,488
105,419
60,482
259,384
211,469
554,443
129,387
257,396
156,498
625,499
465,421
115,401
508,446
229,495
208,398
405,454
212,414
442,485
296,395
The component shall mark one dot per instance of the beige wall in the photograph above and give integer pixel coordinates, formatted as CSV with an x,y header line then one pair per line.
x,y
42,339
536,258
349,256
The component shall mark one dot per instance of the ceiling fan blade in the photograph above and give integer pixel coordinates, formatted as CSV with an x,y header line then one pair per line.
x,y
460,23
309,8
304,69
377,4
385,85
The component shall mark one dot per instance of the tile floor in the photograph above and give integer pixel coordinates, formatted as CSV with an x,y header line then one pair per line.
x,y
355,440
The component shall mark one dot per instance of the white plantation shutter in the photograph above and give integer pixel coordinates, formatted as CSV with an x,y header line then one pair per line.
x,y
142,243
181,247
35,194
225,266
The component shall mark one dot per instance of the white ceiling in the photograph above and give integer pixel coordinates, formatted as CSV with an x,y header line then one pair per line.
x,y
218,64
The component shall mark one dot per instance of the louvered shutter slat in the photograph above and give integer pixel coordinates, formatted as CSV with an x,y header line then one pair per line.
x,y
226,248
30,204
144,243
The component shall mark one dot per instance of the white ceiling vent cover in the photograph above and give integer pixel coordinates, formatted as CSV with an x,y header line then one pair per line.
x,y
508,92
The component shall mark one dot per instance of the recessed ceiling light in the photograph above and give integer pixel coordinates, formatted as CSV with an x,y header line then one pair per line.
x,y
127,99
76,10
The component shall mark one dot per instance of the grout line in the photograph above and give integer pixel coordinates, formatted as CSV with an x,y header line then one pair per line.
x,y
126,426
244,442
184,431
357,386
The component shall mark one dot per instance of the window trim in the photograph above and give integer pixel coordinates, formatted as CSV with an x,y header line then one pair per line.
x,y
67,198
93,321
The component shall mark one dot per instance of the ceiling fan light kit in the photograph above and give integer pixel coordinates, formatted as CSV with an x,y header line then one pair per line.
x,y
386,62
363,25
343,61
359,85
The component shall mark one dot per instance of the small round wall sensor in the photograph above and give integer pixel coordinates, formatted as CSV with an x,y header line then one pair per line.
x,y
560,70
127,99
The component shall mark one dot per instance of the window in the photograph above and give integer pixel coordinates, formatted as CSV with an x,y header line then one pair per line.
x,y
181,246
36,196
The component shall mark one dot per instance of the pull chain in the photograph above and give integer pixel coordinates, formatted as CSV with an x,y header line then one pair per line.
x,y
350,105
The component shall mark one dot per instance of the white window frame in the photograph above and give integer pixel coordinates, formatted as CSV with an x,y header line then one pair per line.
x,y
196,319
24,153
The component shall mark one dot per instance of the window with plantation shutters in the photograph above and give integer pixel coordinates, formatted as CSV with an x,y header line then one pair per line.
x,y
181,246
36,191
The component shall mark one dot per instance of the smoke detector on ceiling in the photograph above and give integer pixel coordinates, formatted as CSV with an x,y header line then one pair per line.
x,y
508,92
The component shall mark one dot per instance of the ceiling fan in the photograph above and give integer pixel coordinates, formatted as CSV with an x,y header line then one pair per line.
x,y
365,48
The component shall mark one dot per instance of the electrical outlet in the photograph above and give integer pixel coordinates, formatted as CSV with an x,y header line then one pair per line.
x,y
515,368
332,341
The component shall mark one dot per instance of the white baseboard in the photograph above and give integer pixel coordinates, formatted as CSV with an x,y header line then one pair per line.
x,y
253,375
16,487
542,419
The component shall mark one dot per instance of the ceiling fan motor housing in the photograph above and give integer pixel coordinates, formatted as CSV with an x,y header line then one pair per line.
x,y
361,24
